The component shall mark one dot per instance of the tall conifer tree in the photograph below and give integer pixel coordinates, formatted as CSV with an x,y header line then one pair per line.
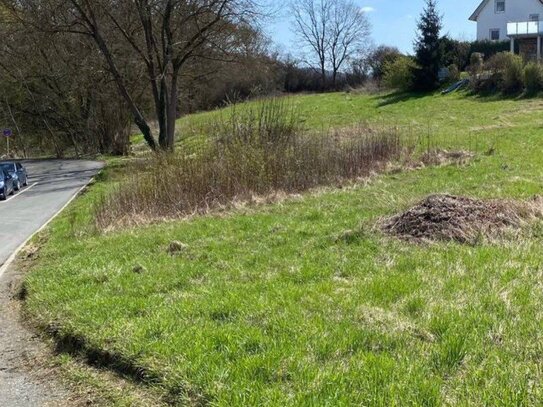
x,y
427,49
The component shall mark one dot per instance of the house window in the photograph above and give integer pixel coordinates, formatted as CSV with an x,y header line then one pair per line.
x,y
500,6
534,17
495,34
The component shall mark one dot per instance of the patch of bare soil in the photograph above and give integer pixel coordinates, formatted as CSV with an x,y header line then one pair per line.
x,y
462,219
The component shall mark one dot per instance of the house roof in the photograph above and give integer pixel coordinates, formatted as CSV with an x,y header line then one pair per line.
x,y
476,13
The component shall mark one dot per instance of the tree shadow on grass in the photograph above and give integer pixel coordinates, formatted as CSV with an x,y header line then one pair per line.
x,y
397,97
493,94
496,96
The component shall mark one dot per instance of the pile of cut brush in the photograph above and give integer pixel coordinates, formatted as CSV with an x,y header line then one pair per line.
x,y
462,219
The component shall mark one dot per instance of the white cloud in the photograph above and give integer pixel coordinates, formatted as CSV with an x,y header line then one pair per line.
x,y
367,9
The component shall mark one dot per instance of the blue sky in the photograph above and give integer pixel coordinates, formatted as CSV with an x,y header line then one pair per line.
x,y
393,22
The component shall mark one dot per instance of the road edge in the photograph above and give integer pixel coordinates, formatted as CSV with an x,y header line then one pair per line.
x,y
6,265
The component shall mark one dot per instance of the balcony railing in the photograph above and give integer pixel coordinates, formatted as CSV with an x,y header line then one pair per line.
x,y
525,28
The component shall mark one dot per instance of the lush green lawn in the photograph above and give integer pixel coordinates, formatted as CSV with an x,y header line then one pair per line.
x,y
304,302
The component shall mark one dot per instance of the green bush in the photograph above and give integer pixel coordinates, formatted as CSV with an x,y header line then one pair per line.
x,y
503,72
478,83
476,62
399,73
454,73
490,48
533,78
513,74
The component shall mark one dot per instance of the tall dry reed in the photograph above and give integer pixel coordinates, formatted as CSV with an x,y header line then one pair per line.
x,y
254,151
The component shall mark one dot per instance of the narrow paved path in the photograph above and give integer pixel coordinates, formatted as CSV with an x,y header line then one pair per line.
x,y
52,183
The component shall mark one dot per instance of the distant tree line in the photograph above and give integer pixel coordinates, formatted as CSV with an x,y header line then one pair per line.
x,y
78,77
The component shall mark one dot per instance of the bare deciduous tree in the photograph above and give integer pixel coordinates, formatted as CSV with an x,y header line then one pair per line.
x,y
349,34
163,35
311,26
57,92
332,32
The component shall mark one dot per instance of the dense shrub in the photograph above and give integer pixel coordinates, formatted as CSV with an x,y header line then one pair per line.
x,y
455,52
476,63
533,78
460,52
497,63
503,72
490,48
513,74
258,150
399,73
454,73
379,58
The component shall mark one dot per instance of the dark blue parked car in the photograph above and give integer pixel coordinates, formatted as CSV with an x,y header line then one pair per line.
x,y
6,185
17,172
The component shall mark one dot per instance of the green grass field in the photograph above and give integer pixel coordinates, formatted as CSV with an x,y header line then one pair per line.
x,y
305,302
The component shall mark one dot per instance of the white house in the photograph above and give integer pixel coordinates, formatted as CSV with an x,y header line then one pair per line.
x,y
514,20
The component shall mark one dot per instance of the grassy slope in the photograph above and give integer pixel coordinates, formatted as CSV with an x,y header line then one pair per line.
x,y
281,305
450,114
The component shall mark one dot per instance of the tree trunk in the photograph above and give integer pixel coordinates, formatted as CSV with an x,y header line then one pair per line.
x,y
323,76
74,144
172,113
17,129
163,118
139,119
58,150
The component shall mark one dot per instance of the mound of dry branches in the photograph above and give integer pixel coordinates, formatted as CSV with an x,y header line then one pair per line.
x,y
461,219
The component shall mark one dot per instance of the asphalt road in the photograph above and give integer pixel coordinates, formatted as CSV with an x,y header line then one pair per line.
x,y
52,183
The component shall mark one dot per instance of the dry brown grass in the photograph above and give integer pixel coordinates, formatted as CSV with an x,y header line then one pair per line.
x,y
440,157
254,152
